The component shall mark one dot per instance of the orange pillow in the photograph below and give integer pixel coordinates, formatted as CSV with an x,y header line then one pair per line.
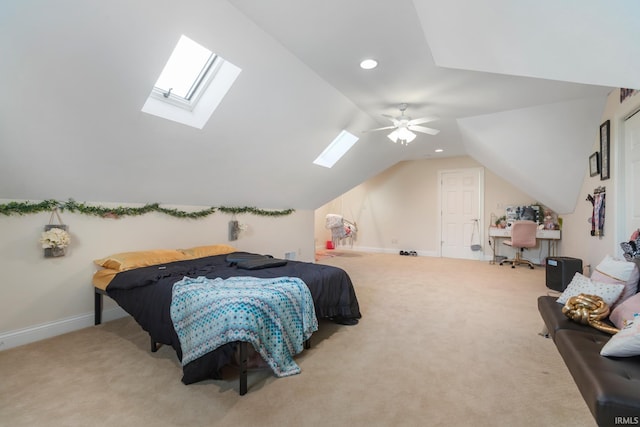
x,y
127,260
102,278
205,251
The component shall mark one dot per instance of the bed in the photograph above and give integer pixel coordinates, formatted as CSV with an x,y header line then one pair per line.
x,y
143,288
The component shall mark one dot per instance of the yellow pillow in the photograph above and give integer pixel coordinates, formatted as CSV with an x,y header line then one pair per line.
x,y
128,260
204,251
102,278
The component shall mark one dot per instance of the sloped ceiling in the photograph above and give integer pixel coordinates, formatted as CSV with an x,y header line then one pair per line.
x,y
76,74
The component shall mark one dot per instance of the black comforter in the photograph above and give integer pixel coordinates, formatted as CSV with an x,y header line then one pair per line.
x,y
145,293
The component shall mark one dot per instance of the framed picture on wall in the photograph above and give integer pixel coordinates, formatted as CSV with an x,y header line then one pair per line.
x,y
594,164
604,150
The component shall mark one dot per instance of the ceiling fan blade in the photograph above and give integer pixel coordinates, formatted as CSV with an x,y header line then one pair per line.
x,y
393,119
384,128
423,129
422,120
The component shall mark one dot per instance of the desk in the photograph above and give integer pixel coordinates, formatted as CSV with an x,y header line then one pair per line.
x,y
551,236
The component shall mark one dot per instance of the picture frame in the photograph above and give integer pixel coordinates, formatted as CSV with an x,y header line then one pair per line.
x,y
594,164
605,147
626,93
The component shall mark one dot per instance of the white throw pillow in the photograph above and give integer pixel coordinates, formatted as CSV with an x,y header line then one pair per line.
x,y
583,285
619,271
625,343
617,268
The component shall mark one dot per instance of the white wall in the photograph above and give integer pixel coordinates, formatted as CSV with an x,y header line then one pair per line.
x,y
519,145
41,297
577,241
398,209
401,203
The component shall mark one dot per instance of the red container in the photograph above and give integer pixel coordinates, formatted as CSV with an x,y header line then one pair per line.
x,y
330,244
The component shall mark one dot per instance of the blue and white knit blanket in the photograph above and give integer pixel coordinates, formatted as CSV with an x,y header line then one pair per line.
x,y
275,315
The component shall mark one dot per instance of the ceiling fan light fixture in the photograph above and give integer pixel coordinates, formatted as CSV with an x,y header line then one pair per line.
x,y
393,136
408,139
404,127
404,135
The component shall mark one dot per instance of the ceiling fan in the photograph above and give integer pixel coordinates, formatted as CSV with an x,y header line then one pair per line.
x,y
404,127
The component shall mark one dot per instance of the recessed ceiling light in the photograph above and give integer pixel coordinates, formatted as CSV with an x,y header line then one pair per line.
x,y
438,150
369,64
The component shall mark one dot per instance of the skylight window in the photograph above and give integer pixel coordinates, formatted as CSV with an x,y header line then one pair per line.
x,y
186,69
191,85
338,148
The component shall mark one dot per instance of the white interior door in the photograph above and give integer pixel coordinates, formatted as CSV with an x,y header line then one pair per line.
x,y
632,172
460,205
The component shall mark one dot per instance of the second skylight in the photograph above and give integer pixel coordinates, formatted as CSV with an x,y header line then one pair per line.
x,y
338,148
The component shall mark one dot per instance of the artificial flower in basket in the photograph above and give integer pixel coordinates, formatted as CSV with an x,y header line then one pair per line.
x,y
54,240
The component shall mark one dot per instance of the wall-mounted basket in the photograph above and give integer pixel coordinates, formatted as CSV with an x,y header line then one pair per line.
x,y
55,251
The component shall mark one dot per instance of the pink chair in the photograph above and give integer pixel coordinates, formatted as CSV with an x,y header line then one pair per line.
x,y
523,235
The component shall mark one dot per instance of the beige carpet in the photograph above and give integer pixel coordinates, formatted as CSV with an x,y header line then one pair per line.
x,y
442,342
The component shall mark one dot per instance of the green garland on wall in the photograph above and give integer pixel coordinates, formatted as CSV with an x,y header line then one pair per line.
x,y
24,208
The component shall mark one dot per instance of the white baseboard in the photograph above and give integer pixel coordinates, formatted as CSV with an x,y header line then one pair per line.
x,y
371,249
395,251
31,334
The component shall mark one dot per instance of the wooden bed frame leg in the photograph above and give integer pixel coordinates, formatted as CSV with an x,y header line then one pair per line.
x,y
307,343
243,368
97,307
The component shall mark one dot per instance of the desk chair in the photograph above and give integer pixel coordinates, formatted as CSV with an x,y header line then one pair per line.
x,y
523,235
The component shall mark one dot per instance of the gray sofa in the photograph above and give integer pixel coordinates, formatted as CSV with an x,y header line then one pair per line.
x,y
610,386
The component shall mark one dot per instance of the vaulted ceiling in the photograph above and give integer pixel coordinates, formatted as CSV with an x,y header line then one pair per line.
x,y
506,79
